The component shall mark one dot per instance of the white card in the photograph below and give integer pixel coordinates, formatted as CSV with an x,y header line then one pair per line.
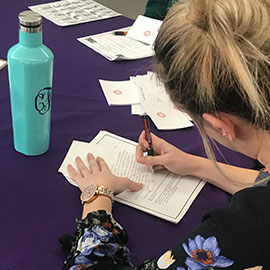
x,y
144,29
137,109
158,105
120,92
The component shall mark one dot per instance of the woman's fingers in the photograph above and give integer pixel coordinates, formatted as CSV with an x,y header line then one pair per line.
x,y
103,165
158,168
72,172
139,152
82,168
142,141
93,163
131,185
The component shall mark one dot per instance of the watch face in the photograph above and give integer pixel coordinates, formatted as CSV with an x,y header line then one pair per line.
x,y
88,192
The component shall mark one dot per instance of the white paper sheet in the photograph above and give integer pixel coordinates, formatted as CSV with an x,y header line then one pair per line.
x,y
70,12
144,29
167,196
3,63
137,109
169,199
119,154
120,92
158,105
116,48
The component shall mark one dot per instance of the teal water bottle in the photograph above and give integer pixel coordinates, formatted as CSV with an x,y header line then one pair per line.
x,y
30,68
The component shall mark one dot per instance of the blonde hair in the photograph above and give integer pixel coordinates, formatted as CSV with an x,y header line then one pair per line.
x,y
213,56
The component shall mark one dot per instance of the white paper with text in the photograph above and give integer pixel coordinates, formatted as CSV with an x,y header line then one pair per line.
x,y
70,12
169,199
119,154
115,47
170,195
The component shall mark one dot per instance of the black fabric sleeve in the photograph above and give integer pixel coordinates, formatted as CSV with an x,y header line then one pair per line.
x,y
235,238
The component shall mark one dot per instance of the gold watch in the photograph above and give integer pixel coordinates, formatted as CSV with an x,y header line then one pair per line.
x,y
91,192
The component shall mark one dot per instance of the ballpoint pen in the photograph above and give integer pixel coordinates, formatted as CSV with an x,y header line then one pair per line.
x,y
150,150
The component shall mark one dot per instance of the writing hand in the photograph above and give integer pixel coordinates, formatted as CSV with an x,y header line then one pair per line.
x,y
166,156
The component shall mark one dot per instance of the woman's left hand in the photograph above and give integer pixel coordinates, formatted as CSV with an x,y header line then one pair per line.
x,y
100,174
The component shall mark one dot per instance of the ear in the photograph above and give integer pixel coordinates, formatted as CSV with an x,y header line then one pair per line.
x,y
222,123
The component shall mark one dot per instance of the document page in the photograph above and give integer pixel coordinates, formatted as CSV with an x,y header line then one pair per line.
x,y
169,199
165,195
119,153
115,47
70,12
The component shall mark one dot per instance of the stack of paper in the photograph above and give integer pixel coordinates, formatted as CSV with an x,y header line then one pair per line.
x,y
146,94
136,44
122,162
117,47
169,196
70,12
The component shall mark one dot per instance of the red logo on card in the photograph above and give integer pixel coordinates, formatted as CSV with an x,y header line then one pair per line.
x,y
147,33
161,114
117,92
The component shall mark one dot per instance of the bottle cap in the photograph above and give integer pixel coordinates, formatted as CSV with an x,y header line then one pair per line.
x,y
30,21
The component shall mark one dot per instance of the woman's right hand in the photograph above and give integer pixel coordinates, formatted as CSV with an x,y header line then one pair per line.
x,y
165,156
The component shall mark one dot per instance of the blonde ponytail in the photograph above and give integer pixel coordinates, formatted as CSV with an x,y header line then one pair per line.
x,y
214,56
211,52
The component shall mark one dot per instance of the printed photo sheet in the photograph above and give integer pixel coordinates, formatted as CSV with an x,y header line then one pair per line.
x,y
70,12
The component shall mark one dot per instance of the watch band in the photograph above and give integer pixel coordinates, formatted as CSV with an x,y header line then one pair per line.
x,y
100,190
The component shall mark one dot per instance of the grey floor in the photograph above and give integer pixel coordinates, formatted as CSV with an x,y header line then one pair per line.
x,y
128,8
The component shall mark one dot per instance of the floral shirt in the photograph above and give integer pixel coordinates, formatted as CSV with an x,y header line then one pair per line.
x,y
236,237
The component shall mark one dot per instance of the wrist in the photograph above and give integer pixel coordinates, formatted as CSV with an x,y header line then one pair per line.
x,y
100,203
196,165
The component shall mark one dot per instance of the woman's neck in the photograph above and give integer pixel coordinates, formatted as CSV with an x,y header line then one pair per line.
x,y
264,150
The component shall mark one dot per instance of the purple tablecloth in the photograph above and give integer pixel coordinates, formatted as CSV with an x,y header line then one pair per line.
x,y
37,203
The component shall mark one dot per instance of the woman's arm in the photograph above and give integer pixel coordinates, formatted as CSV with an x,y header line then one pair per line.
x,y
229,178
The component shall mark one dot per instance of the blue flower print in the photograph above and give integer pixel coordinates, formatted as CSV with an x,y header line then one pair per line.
x,y
80,267
88,242
204,253
80,259
108,249
102,233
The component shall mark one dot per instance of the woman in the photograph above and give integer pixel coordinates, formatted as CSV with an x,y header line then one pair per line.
x,y
213,57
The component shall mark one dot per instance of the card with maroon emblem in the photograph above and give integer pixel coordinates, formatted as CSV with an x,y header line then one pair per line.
x,y
144,29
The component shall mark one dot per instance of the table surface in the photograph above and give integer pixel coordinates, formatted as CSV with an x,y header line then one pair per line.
x,y
37,203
